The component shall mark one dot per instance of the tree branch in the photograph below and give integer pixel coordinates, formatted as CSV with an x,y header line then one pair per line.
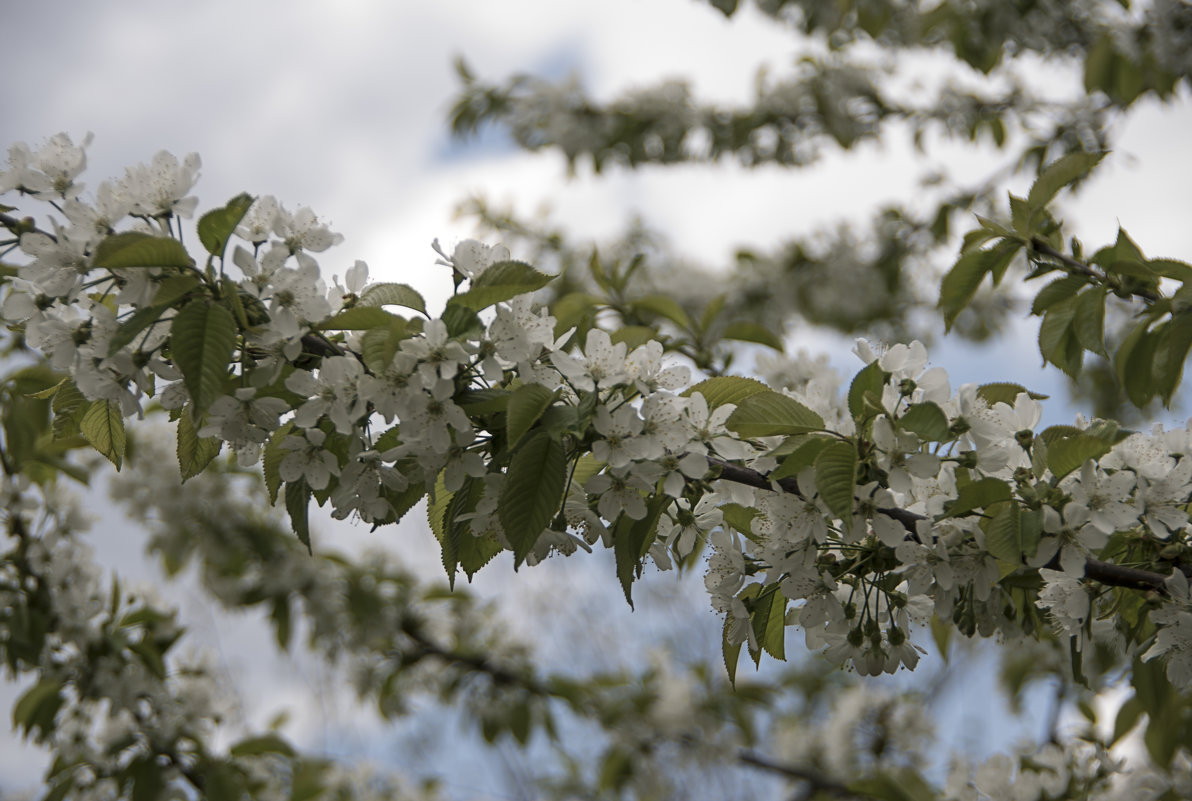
x,y
1080,268
1094,569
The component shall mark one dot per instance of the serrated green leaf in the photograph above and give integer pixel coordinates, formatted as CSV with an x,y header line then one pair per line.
x,y
739,518
48,392
532,491
128,330
1004,392
379,345
802,457
1171,268
217,226
298,496
358,318
1060,289
393,295
175,287
202,340
865,391
68,406
1003,534
927,420
769,413
1170,355
134,249
980,494
632,540
502,281
753,332
726,389
526,405
195,452
1135,360
1066,170
730,652
961,282
1088,324
768,619
103,426
1070,453
1056,337
836,478
271,459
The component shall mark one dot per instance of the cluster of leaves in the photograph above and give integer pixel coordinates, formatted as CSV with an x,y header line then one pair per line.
x,y
1149,359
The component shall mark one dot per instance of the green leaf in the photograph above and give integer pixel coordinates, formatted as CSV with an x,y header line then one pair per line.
x,y
1171,354
217,226
927,420
1004,392
768,617
461,547
836,478
526,405
271,459
262,744
379,345
37,707
297,504
502,281
68,406
1066,170
739,518
176,286
1127,718
632,540
1089,322
202,340
1003,533
1070,453
1134,362
961,282
393,295
359,318
753,332
128,330
893,784
103,426
532,491
664,306
730,652
769,413
148,783
1058,290
134,249
726,389
802,457
865,391
634,336
195,452
980,494
1057,342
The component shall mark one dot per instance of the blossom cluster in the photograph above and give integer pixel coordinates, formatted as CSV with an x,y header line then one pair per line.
x,y
853,518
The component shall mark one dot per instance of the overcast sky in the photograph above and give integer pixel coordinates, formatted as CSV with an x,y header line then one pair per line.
x,y
344,111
